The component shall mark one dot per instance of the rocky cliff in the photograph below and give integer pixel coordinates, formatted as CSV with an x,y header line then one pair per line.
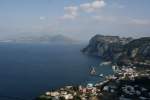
x,y
124,50
136,51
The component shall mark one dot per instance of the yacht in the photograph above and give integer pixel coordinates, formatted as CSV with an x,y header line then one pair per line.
x,y
105,63
101,75
93,72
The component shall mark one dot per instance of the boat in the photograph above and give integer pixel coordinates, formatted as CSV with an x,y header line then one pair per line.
x,y
105,63
93,72
115,68
101,75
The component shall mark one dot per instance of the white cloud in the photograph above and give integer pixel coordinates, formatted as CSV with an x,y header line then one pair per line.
x,y
98,4
104,18
69,16
117,5
42,18
86,7
71,9
93,6
71,12
140,21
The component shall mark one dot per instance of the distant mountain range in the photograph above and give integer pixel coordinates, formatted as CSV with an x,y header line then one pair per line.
x,y
42,38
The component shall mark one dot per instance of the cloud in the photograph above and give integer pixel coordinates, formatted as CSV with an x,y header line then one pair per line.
x,y
71,8
140,21
104,18
93,6
71,12
117,5
42,18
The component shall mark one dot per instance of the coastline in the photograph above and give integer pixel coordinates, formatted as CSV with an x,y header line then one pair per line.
x,y
112,88
130,63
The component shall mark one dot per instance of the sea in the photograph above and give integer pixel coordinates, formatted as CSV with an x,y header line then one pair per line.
x,y
28,70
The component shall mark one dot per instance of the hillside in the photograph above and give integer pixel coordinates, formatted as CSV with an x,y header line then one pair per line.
x,y
120,50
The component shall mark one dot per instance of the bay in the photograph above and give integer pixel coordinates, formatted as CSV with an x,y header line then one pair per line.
x,y
29,69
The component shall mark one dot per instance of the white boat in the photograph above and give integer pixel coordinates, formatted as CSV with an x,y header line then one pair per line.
x,y
115,68
105,63
93,72
101,75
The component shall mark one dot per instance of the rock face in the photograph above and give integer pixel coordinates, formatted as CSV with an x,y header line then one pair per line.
x,y
137,50
119,49
108,47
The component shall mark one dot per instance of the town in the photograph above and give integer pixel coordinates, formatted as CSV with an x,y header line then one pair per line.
x,y
127,83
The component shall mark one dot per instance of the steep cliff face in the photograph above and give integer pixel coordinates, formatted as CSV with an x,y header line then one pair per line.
x,y
137,50
108,47
119,49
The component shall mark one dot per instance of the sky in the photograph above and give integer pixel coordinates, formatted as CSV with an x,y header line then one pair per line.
x,y
79,19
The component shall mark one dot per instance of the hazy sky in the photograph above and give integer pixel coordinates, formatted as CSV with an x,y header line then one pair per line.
x,y
76,18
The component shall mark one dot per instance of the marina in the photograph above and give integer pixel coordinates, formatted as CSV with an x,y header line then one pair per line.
x,y
124,81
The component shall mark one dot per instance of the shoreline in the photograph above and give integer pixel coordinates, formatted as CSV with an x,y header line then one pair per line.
x,y
110,86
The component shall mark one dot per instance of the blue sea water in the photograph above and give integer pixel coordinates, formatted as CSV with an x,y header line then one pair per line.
x,y
29,69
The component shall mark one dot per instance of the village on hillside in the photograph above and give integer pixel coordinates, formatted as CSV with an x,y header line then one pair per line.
x,y
127,83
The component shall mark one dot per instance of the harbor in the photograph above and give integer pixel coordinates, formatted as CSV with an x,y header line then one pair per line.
x,y
123,84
